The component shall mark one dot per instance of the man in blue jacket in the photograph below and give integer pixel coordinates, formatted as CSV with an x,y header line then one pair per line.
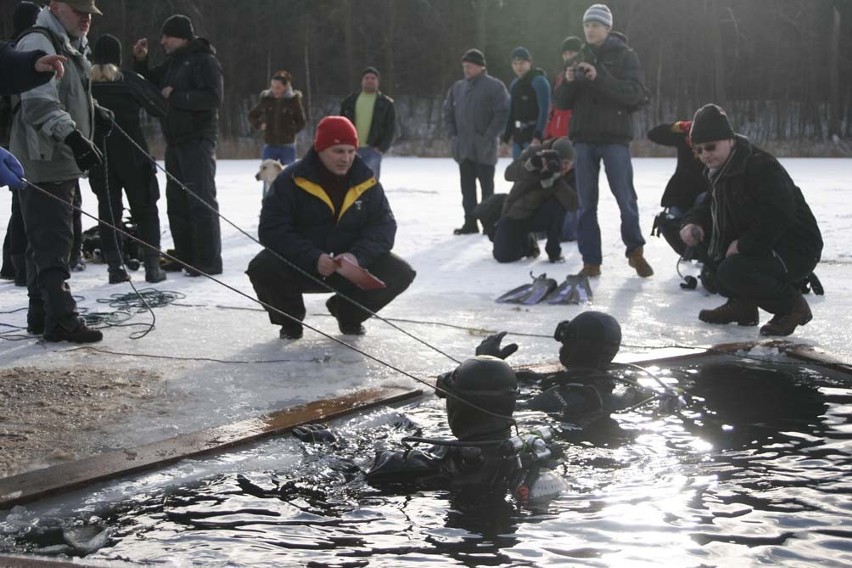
x,y
326,207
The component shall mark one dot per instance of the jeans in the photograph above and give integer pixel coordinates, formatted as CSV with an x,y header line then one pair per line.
x,y
286,153
619,172
517,149
469,172
373,159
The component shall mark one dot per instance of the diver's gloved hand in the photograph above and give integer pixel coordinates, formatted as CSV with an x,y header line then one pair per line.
x,y
444,384
491,346
314,433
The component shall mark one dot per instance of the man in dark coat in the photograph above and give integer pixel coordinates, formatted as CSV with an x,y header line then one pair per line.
x,y
686,186
374,115
540,196
475,113
191,82
322,212
529,103
761,230
125,93
603,86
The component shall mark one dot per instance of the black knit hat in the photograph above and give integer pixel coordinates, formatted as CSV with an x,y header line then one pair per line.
x,y
572,43
178,26
522,53
371,69
24,17
474,56
709,124
107,50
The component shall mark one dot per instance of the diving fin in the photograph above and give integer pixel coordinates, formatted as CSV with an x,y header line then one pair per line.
x,y
574,290
531,293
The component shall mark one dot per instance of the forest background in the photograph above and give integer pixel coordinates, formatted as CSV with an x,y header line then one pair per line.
x,y
781,68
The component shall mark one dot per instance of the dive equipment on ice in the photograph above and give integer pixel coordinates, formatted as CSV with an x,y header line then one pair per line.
x,y
529,294
575,289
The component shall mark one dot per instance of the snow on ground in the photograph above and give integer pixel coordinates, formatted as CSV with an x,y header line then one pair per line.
x,y
455,289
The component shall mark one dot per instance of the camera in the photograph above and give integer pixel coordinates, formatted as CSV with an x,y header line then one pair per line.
x,y
550,161
579,74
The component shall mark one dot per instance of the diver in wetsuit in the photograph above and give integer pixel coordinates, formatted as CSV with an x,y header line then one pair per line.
x,y
481,395
584,391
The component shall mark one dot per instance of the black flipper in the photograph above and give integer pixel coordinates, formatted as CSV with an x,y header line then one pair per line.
x,y
541,287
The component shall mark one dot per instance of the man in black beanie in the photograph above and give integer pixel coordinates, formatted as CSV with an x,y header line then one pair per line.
x,y
475,114
762,232
191,82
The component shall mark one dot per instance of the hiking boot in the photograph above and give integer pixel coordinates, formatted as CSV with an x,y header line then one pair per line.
x,y
118,275
637,261
351,328
77,265
742,312
172,266
555,258
469,228
153,272
291,330
785,324
80,334
590,270
35,319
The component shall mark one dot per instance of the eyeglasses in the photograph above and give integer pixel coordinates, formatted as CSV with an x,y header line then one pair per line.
x,y
704,148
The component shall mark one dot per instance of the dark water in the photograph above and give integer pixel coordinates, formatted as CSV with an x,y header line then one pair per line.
x,y
757,470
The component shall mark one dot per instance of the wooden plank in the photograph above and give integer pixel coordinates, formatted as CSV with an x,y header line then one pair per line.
x,y
33,485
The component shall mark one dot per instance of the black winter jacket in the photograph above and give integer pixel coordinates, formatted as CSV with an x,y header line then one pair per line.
x,y
297,219
753,199
17,70
383,127
602,108
196,77
688,180
124,93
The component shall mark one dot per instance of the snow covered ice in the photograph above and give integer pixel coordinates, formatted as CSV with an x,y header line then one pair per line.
x,y
450,301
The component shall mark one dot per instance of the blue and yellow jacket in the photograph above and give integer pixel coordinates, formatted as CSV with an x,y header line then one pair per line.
x,y
299,222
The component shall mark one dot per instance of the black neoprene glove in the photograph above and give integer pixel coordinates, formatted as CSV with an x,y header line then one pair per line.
x,y
104,119
86,154
491,346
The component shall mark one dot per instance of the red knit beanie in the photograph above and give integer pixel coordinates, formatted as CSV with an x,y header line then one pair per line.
x,y
334,130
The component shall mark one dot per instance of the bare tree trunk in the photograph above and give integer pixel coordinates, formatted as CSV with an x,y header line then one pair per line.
x,y
480,11
388,70
719,91
834,111
348,42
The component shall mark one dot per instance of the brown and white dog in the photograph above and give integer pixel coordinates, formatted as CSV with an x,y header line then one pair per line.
x,y
269,170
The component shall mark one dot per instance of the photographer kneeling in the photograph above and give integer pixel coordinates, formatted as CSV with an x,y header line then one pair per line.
x,y
542,193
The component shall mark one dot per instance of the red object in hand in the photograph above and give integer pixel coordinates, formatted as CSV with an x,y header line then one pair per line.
x,y
357,275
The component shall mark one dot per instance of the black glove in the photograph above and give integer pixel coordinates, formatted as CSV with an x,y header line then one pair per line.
x,y
319,433
104,119
491,346
86,154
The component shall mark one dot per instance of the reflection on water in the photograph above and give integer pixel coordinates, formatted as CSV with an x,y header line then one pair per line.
x,y
754,471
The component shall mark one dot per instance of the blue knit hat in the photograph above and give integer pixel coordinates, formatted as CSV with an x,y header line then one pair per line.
x,y
598,13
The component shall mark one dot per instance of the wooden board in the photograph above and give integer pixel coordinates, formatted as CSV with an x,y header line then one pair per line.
x,y
33,485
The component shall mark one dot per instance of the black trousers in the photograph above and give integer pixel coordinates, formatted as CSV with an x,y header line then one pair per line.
x,y
764,280
470,171
283,287
15,243
512,236
195,228
140,186
50,231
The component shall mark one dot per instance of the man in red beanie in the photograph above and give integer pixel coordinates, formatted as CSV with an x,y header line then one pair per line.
x,y
323,208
